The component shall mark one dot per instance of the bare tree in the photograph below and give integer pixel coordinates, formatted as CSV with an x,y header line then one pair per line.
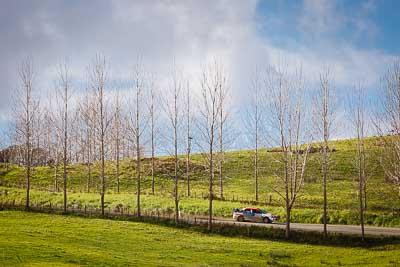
x,y
48,124
56,156
87,110
222,117
37,154
358,118
98,80
324,119
117,136
52,142
153,118
75,136
286,106
25,112
63,97
137,127
189,137
388,126
387,123
213,78
253,125
173,112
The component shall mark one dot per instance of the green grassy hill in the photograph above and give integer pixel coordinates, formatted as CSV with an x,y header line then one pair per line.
x,y
382,202
29,239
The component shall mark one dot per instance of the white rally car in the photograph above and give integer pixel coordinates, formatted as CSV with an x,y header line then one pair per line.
x,y
253,215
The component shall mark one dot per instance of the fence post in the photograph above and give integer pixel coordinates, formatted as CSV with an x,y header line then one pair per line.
x,y
270,198
85,209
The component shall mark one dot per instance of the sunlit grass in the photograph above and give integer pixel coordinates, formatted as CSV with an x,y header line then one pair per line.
x,y
29,239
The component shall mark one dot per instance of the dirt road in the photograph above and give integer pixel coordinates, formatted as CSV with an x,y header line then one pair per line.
x,y
332,228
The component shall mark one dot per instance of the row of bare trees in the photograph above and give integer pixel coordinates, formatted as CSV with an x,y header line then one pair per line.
x,y
98,124
103,123
279,117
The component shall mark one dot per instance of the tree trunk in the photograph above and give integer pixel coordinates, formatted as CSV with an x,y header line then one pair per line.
x,y
28,186
188,168
361,205
287,228
138,158
28,148
221,155
365,196
152,146
89,174
210,191
138,179
117,173
324,170
256,159
287,182
188,142
65,164
89,156
55,178
117,160
361,176
175,126
176,178
103,178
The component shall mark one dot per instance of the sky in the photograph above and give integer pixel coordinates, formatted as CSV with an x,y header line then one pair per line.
x,y
358,40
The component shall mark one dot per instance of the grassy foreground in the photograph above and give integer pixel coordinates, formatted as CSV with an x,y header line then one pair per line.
x,y
29,239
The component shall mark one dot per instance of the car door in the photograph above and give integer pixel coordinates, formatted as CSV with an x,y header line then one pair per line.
x,y
257,216
248,215
253,216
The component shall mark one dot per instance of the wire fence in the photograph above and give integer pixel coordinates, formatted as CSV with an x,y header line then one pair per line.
x,y
237,198
127,213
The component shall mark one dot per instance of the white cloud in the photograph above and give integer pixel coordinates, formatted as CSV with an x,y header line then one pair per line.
x,y
189,32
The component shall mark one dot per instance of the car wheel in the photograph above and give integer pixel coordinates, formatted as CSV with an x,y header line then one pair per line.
x,y
266,220
240,219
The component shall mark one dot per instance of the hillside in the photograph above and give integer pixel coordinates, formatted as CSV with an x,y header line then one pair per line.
x,y
382,201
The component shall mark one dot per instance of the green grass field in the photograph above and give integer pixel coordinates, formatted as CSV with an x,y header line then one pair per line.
x,y
382,205
29,239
